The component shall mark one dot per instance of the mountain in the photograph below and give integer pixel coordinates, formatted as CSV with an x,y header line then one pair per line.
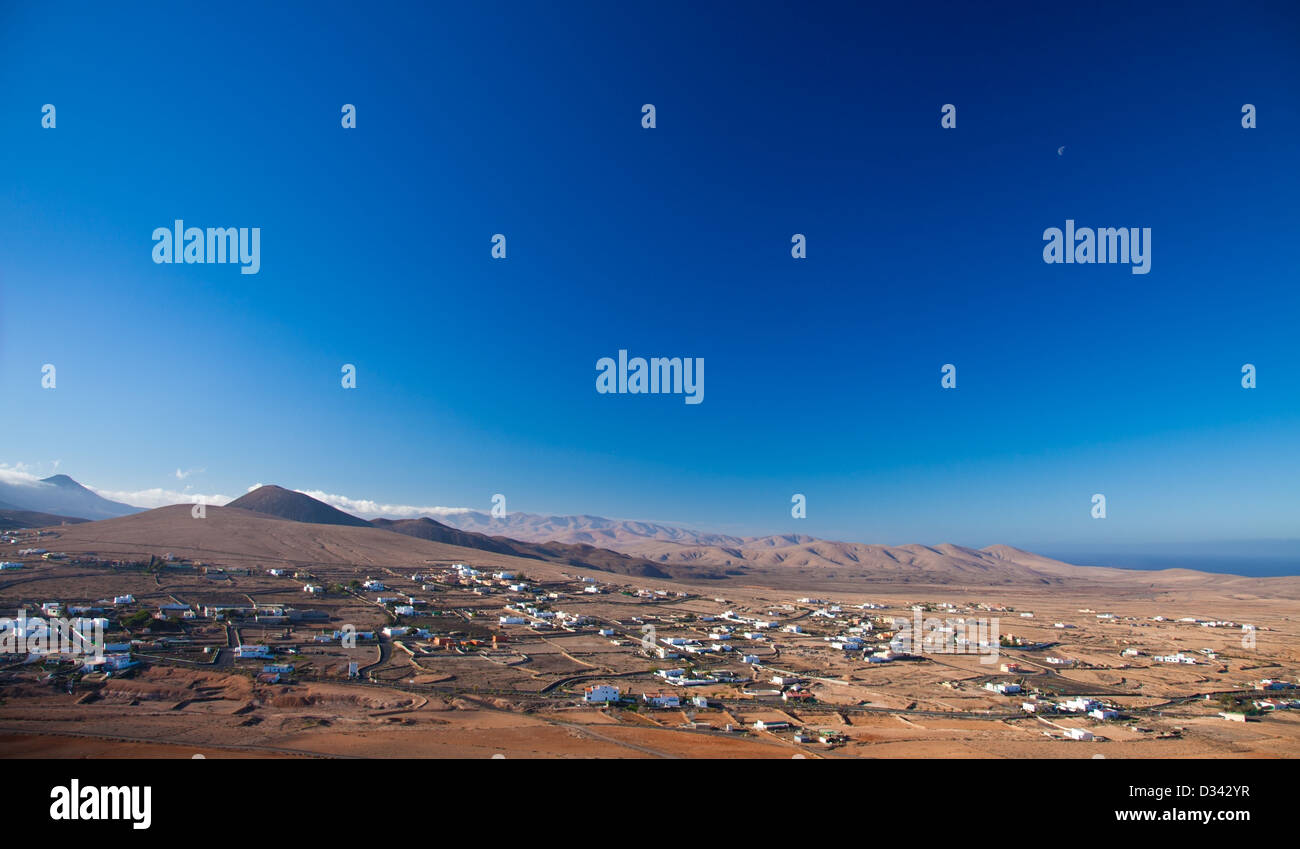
x,y
901,564
294,506
11,519
683,547
425,528
565,553
587,530
788,559
61,496
237,536
233,537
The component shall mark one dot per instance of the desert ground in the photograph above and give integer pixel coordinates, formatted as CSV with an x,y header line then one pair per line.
x,y
462,681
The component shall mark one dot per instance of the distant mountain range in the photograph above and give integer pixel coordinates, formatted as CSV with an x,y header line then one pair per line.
x,y
674,546
288,504
587,530
60,496
626,547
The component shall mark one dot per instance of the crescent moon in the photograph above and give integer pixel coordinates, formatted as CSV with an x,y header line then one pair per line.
x,y
1060,150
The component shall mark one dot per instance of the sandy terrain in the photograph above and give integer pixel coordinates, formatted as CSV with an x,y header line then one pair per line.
x,y
454,692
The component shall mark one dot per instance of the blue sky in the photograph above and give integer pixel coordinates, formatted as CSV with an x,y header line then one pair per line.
x,y
477,376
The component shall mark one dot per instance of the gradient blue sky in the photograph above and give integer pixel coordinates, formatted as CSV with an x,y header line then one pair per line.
x,y
822,376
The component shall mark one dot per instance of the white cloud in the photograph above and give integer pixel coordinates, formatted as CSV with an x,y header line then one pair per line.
x,y
18,475
182,475
373,509
158,497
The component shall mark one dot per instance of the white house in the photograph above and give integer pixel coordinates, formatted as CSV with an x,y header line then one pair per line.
x,y
763,725
600,693
661,700
1079,705
109,663
1078,734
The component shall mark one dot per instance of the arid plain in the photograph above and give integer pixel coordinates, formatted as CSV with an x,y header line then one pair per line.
x,y
488,654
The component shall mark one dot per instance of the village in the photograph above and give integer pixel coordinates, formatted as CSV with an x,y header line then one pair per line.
x,y
807,673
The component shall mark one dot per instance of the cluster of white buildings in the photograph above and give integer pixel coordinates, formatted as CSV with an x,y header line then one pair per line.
x,y
673,645
339,635
541,618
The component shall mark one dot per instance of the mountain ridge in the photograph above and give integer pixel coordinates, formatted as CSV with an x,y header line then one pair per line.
x,y
657,550
60,495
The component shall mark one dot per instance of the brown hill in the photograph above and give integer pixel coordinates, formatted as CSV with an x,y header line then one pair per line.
x,y
234,536
11,519
798,559
231,536
294,506
899,564
573,555
581,530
